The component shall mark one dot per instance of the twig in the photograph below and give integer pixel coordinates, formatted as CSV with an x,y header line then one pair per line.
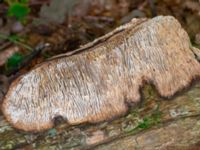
x,y
153,8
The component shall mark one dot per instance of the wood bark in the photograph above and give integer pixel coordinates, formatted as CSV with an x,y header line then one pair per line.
x,y
170,124
103,81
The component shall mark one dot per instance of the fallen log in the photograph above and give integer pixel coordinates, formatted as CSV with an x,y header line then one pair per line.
x,y
102,79
154,124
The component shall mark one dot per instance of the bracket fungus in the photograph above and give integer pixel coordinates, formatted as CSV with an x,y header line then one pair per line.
x,y
102,78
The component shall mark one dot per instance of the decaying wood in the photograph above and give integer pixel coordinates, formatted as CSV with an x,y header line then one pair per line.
x,y
174,124
103,81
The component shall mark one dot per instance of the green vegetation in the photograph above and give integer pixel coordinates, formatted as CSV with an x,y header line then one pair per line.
x,y
16,40
14,61
52,132
147,122
19,9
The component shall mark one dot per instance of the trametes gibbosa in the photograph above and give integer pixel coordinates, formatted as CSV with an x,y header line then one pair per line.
x,y
101,79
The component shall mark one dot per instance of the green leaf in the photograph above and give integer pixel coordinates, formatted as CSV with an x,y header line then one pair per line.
x,y
19,10
14,38
14,61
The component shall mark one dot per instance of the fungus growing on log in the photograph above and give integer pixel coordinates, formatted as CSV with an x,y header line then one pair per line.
x,y
101,79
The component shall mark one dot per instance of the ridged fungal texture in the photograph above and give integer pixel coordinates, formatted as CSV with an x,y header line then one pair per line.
x,y
99,82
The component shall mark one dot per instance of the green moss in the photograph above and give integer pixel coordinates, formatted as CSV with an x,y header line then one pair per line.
x,y
52,132
147,121
149,92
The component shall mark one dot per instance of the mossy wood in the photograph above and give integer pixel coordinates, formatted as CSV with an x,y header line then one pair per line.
x,y
155,124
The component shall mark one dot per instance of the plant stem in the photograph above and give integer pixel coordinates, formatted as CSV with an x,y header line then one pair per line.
x,y
2,36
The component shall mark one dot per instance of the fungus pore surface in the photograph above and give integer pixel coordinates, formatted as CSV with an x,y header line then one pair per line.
x,y
99,83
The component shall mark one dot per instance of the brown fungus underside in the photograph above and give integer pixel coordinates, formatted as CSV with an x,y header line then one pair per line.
x,y
98,83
